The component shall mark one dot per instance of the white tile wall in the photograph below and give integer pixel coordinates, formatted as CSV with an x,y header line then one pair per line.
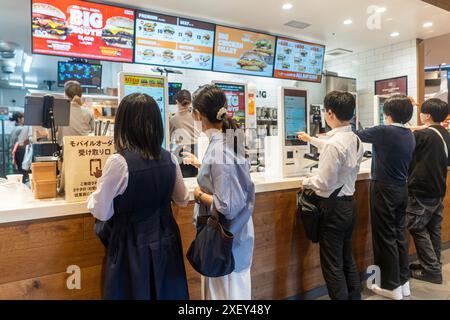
x,y
391,61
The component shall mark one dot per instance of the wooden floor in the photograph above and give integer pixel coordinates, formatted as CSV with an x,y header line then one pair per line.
x,y
34,256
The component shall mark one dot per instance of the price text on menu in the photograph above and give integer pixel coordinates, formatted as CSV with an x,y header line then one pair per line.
x,y
172,41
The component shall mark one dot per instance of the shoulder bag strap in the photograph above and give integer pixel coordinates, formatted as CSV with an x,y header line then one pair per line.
x,y
442,138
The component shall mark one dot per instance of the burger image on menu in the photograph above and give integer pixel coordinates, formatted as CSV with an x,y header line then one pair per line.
x,y
118,32
168,54
285,65
188,34
49,22
149,53
168,31
149,26
252,61
206,37
264,47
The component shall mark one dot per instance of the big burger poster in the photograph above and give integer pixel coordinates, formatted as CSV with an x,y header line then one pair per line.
x,y
82,29
244,52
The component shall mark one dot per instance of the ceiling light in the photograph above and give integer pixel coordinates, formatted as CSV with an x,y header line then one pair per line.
x,y
287,6
31,85
381,10
16,84
428,24
27,64
444,64
348,21
395,34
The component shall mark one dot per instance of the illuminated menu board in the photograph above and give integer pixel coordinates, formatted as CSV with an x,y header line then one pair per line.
x,y
298,60
153,86
172,41
236,100
82,29
243,52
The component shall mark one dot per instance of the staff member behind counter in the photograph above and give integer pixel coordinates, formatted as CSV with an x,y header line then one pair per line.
x,y
184,132
81,118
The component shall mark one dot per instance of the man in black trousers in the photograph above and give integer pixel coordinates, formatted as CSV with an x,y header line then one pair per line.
x,y
340,158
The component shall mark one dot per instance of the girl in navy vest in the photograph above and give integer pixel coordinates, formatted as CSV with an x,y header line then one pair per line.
x,y
225,186
144,255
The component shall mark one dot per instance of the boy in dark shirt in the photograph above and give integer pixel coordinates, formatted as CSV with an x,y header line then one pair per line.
x,y
393,147
427,187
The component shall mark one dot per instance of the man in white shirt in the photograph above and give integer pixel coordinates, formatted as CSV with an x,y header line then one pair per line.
x,y
340,157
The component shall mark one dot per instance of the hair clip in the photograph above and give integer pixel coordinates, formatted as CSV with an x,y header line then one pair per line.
x,y
221,113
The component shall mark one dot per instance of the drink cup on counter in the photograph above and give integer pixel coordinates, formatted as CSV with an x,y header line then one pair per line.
x,y
15,177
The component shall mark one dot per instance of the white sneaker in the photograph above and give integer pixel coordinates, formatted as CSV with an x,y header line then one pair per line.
x,y
395,294
406,290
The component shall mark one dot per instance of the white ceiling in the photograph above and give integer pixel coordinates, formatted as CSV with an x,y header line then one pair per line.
x,y
325,16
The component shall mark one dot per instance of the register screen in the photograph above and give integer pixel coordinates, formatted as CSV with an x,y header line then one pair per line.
x,y
295,116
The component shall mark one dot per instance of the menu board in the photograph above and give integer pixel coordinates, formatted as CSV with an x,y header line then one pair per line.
x,y
236,100
82,29
298,60
153,86
243,52
171,41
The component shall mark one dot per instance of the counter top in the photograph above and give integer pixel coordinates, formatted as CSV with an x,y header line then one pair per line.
x,y
28,208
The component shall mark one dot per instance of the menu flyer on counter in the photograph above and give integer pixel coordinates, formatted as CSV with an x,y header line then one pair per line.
x,y
243,52
298,60
84,160
82,29
172,41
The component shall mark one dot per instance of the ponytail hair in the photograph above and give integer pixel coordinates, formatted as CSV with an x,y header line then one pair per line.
x,y
211,102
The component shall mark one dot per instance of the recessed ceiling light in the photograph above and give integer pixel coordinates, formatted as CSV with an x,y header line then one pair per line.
x,y
348,21
381,10
395,34
428,24
287,6
444,64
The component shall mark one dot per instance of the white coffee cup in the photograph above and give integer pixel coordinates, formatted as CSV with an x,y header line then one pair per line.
x,y
15,177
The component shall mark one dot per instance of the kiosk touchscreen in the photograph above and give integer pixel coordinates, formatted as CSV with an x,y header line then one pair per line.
x,y
154,86
285,152
237,94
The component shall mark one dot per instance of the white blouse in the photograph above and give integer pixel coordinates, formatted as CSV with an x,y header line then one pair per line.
x,y
114,182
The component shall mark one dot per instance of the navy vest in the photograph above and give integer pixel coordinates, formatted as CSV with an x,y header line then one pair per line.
x,y
145,256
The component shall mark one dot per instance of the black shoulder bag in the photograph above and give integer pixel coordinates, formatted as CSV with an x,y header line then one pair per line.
x,y
309,211
210,254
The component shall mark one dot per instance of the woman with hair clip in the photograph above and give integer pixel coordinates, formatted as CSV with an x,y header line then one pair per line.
x,y
226,187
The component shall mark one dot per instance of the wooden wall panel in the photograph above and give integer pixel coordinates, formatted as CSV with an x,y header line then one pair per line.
x,y
34,255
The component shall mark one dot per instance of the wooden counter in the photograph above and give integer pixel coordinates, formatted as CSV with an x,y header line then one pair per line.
x,y
34,255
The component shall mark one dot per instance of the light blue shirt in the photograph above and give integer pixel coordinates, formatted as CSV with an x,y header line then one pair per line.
x,y
225,175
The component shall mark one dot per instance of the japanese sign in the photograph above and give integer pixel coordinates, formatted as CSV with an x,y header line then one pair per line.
x,y
84,160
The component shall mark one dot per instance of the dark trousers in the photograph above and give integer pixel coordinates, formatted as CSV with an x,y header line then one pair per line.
x,y
424,221
336,257
390,248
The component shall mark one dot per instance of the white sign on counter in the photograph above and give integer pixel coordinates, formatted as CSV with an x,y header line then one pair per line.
x,y
84,160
